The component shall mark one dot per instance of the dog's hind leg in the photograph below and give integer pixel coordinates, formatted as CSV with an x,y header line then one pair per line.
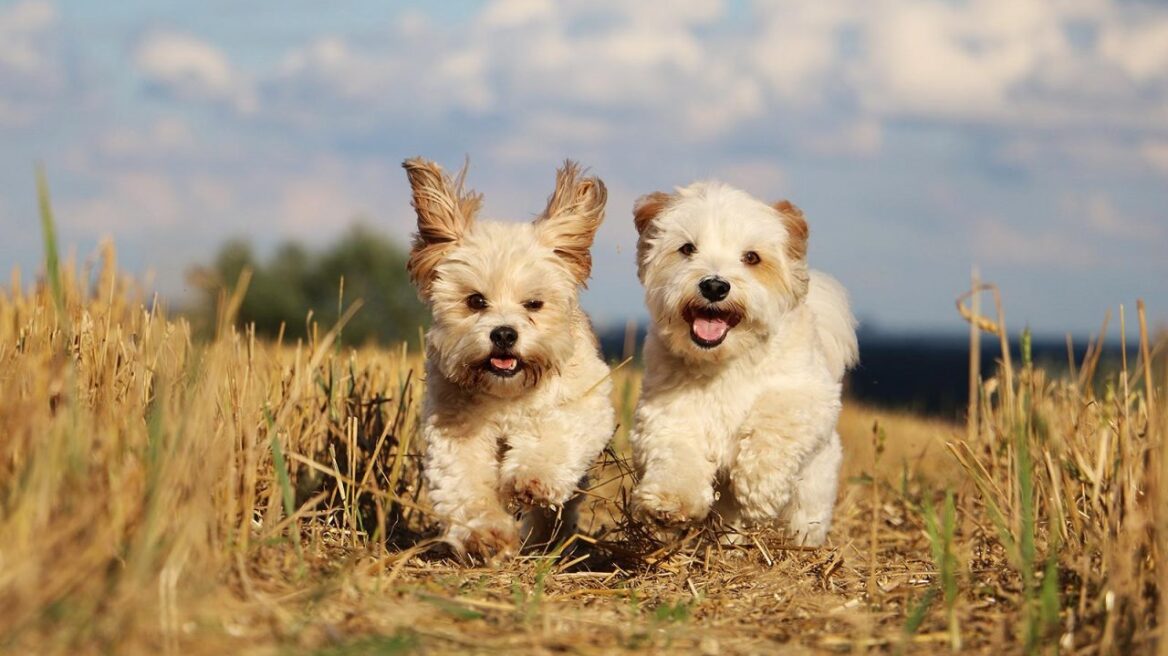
x,y
808,516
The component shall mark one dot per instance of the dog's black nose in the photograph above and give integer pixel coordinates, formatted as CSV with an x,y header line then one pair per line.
x,y
504,337
714,288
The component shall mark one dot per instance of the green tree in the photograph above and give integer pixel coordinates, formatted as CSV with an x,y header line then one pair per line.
x,y
294,280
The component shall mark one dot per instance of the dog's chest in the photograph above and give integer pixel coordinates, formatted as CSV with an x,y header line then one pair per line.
x,y
717,406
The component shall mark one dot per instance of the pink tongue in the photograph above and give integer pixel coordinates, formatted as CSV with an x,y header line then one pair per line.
x,y
506,364
710,330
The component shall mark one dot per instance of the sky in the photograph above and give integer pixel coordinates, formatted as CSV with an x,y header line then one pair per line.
x,y
1027,138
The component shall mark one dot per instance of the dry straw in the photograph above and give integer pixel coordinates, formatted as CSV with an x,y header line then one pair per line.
x,y
163,495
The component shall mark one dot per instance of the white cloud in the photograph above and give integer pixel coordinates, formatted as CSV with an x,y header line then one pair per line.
x,y
1100,215
331,65
998,241
20,25
28,16
310,199
861,138
1140,49
537,139
762,177
165,137
797,49
192,69
1089,231
130,200
887,100
1087,152
32,74
530,57
960,60
680,70
1155,153
505,14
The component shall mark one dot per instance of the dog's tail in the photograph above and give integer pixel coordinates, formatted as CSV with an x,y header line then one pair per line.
x,y
837,327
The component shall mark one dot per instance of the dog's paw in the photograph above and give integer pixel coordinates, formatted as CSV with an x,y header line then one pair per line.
x,y
529,491
808,534
487,539
668,509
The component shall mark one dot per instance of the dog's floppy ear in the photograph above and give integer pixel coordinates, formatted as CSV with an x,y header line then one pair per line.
x,y
645,212
445,212
574,213
646,209
797,231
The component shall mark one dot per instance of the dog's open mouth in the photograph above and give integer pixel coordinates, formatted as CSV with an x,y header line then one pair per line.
x,y
708,326
504,365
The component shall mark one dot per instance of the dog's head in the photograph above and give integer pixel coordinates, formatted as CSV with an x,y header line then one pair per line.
x,y
720,268
503,295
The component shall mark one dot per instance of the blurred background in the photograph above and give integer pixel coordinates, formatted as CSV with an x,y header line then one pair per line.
x,y
1028,138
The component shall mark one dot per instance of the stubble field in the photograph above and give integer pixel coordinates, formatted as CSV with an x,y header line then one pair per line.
x,y
161,494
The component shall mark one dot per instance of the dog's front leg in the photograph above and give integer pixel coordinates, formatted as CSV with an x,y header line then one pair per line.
x,y
549,453
548,456
786,432
462,467
677,461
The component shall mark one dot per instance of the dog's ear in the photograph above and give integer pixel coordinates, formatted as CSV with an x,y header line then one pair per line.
x,y
797,230
574,213
646,209
645,212
445,212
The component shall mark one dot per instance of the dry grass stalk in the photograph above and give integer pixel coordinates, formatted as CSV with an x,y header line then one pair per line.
x,y
161,495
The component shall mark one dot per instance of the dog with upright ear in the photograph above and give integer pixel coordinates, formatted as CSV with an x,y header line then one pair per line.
x,y
574,212
518,399
445,212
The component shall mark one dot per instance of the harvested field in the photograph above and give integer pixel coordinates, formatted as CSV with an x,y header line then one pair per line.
x,y
158,494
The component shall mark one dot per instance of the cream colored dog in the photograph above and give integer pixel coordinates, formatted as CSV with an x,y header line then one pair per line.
x,y
517,400
743,365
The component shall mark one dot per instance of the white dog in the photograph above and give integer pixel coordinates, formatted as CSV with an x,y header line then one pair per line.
x,y
517,400
743,365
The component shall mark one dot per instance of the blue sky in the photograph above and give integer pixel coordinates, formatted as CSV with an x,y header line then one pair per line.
x,y
922,138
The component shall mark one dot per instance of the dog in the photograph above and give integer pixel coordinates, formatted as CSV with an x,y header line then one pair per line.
x,y
744,360
518,400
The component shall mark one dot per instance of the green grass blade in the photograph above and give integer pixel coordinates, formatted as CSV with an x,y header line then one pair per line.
x,y
281,469
49,233
919,611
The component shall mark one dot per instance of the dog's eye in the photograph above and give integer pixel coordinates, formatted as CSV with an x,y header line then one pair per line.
x,y
533,305
751,258
688,249
476,302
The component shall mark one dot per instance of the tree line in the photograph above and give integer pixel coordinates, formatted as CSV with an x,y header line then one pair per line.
x,y
296,286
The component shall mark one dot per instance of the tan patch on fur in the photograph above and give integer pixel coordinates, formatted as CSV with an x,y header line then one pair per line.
x,y
645,212
771,273
797,230
445,212
574,212
647,207
798,278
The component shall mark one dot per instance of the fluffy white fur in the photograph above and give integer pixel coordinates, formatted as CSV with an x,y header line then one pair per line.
x,y
525,435
745,428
